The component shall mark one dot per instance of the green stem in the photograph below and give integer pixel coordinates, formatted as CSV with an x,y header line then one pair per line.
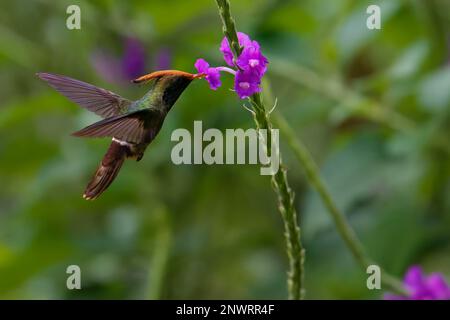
x,y
280,183
229,28
342,225
312,173
286,206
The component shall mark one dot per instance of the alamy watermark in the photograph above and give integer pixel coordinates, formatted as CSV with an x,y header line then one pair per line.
x,y
374,19
74,280
235,146
73,21
374,278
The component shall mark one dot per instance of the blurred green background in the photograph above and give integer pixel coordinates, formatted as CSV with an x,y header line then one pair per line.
x,y
372,106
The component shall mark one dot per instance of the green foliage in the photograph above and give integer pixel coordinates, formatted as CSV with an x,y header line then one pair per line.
x,y
372,106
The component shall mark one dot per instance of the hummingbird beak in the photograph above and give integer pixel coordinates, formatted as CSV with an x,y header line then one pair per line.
x,y
200,75
162,73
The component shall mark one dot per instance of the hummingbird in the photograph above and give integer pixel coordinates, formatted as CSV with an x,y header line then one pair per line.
x,y
132,125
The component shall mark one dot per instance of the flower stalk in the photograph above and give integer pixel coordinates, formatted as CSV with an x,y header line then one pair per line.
x,y
280,183
343,227
314,178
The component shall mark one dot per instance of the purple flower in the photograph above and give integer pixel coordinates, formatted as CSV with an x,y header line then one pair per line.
x,y
246,84
422,287
244,41
252,60
250,67
212,75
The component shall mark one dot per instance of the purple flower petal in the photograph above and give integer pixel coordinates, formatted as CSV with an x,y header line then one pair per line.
x,y
246,84
201,65
212,75
252,58
213,78
244,41
433,287
414,277
436,284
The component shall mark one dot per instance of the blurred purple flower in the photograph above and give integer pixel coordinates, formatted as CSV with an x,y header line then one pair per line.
x,y
422,287
250,67
133,61
131,64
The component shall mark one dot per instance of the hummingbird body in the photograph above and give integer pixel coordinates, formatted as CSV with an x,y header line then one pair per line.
x,y
131,125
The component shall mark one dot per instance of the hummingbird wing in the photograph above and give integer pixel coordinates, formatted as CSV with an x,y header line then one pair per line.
x,y
134,127
100,101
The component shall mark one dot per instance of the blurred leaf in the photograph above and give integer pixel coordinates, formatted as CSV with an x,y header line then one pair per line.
x,y
434,92
410,60
354,33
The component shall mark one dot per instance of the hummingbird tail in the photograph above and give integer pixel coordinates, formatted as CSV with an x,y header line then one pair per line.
x,y
107,170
